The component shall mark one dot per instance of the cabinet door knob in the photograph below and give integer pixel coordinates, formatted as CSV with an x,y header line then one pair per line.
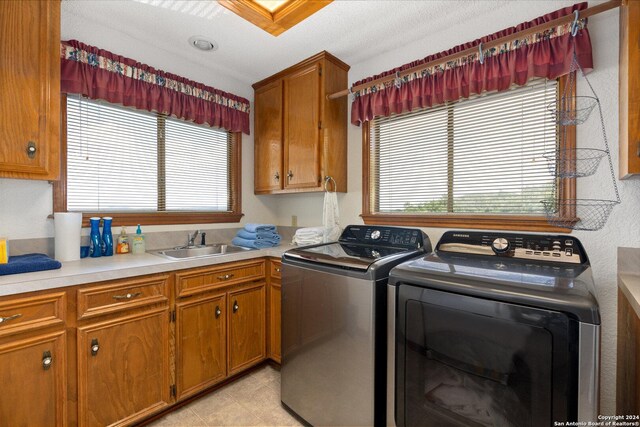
x,y
128,295
218,311
235,306
47,360
94,347
276,176
31,149
225,277
6,319
290,175
277,269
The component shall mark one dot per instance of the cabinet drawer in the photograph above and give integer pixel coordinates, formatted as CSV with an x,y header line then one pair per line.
x,y
122,295
22,314
275,266
201,280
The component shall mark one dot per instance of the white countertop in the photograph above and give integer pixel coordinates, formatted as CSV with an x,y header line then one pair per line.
x,y
629,284
90,270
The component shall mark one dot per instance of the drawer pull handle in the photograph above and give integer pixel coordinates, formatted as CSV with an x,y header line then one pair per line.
x,y
235,306
6,319
47,360
95,347
128,296
225,277
218,311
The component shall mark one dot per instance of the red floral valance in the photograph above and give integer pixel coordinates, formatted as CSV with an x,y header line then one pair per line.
x,y
548,54
99,74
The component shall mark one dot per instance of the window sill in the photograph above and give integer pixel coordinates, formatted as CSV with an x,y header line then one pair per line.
x,y
165,218
482,222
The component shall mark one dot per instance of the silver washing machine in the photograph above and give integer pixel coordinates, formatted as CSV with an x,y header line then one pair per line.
x,y
493,329
334,324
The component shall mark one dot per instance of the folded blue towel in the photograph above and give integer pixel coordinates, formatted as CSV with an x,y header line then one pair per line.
x,y
255,244
261,235
256,228
28,263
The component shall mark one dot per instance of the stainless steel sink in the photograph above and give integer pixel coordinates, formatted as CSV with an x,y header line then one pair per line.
x,y
199,251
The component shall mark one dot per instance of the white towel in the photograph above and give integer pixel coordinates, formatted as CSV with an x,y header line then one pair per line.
x,y
331,217
308,236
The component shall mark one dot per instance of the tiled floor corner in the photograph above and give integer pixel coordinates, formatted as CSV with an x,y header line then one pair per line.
x,y
253,400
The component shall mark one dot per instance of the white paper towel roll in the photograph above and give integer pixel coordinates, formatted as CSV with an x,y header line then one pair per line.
x,y
67,241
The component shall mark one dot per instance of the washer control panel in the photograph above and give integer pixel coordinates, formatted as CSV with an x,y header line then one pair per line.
x,y
410,238
544,248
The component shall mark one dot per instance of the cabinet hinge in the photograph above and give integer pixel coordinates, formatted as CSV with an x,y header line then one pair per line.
x,y
320,125
173,391
172,316
320,71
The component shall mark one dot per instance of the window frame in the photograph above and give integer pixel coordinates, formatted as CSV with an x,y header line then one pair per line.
x,y
567,141
160,217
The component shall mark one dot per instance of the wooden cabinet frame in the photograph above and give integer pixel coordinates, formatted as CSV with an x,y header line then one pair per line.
x,y
71,316
320,139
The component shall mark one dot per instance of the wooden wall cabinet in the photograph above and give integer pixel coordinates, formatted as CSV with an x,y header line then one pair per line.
x,y
30,88
274,311
629,89
300,135
628,363
33,370
123,353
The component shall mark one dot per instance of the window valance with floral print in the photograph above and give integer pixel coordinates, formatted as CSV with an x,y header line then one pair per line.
x,y
548,54
99,74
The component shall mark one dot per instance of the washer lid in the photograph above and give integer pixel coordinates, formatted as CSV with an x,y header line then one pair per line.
x,y
565,288
353,256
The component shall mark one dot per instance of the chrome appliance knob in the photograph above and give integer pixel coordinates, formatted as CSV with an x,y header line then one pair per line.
x,y
375,234
500,245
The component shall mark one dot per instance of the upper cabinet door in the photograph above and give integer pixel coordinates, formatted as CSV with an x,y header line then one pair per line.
x,y
301,128
268,138
30,88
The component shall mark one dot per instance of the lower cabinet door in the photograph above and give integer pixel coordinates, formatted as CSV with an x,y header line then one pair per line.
x,y
201,343
33,381
123,368
247,318
275,315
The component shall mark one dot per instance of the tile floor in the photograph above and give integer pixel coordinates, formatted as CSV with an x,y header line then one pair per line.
x,y
253,400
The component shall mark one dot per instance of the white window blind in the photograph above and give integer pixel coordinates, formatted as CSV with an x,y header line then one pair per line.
x,y
125,160
482,155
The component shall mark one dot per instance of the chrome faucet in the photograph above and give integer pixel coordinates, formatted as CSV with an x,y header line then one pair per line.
x,y
192,237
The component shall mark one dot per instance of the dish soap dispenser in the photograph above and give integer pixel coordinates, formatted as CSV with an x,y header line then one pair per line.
x,y
123,242
138,245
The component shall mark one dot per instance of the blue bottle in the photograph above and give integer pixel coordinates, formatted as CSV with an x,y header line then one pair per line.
x,y
107,237
95,241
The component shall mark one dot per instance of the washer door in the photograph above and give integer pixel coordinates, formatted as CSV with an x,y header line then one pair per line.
x,y
465,361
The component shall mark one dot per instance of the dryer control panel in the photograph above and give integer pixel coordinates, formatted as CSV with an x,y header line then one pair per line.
x,y
536,247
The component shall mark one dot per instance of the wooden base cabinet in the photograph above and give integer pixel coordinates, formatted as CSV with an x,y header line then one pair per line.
x,y
123,368
300,135
247,334
274,307
34,381
201,336
628,363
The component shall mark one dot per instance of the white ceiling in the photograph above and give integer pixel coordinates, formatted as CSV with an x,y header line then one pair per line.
x,y
353,30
